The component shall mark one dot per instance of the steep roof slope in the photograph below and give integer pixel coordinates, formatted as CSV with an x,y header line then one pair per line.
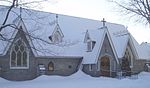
x,y
42,24
98,37
119,36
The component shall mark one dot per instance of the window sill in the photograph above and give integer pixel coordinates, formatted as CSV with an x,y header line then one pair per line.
x,y
19,67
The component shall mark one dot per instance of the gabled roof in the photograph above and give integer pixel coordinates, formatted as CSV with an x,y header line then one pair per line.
x,y
12,33
57,28
143,50
133,46
42,25
97,35
119,36
112,46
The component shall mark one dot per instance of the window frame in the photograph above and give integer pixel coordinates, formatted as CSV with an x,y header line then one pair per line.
x,y
129,55
90,67
57,37
51,65
27,52
89,46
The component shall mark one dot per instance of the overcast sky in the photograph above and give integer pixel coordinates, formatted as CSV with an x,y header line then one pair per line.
x,y
97,9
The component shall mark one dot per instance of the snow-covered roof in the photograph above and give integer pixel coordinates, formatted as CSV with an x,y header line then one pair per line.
x,y
42,24
144,51
118,37
98,36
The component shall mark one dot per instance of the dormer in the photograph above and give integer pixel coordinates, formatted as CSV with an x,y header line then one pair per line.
x,y
87,37
89,42
57,35
90,45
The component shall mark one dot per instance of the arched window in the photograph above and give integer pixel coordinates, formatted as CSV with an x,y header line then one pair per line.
x,y
19,55
129,56
51,66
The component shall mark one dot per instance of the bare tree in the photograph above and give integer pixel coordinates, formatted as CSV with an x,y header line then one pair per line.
x,y
138,9
17,3
27,4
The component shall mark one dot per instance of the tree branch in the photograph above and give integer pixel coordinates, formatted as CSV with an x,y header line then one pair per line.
x,y
137,7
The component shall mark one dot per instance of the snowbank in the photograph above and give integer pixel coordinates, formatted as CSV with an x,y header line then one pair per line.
x,y
79,74
79,80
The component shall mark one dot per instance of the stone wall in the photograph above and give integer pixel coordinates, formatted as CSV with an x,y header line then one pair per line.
x,y
106,50
62,66
92,71
18,74
139,66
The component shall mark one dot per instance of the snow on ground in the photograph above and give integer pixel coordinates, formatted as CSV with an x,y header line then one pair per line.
x,y
79,80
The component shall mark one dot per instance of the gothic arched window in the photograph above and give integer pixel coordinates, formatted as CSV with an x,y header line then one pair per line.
x,y
129,56
19,55
51,66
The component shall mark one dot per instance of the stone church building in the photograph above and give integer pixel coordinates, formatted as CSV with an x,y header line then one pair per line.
x,y
45,43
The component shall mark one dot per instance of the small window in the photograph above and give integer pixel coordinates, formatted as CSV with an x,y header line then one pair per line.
x,y
90,45
50,66
90,67
93,44
98,65
50,37
69,66
57,37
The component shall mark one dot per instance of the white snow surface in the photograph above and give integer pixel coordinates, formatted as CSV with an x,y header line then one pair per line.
x,y
79,80
142,49
145,51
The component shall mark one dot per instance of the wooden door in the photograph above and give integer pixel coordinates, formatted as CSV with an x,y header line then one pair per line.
x,y
105,66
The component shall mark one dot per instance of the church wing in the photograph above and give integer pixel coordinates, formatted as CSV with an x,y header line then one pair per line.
x,y
19,47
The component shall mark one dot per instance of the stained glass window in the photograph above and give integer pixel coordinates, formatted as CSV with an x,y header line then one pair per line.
x,y
19,54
